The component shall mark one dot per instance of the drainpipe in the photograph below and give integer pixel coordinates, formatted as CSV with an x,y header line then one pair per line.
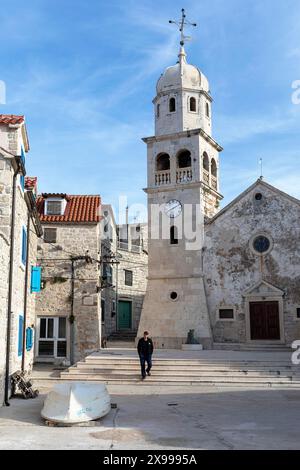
x,y
72,318
117,295
10,287
26,292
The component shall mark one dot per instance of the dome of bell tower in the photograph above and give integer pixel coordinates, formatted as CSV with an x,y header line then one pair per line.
x,y
182,75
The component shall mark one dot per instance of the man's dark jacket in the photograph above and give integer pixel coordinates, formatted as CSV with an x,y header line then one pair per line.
x,y
145,348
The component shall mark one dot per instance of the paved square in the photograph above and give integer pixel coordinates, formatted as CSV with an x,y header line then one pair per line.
x,y
166,418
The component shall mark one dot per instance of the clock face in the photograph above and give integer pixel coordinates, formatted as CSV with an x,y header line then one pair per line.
x,y
173,208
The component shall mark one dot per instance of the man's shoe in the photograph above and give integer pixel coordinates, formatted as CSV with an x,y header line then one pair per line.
x,y
149,373
143,377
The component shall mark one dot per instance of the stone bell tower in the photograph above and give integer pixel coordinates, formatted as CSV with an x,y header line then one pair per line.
x,y
183,189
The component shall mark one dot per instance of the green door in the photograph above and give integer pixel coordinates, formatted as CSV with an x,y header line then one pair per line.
x,y
124,315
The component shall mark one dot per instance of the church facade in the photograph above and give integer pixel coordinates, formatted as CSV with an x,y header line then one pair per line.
x,y
231,275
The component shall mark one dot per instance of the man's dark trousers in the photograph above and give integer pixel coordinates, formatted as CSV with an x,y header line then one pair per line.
x,y
146,358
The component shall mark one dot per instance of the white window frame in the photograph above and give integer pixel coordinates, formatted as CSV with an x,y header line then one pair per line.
x,y
53,199
226,307
55,338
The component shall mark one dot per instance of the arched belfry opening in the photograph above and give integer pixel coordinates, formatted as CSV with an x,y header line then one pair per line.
x,y
214,174
163,162
206,162
184,159
214,168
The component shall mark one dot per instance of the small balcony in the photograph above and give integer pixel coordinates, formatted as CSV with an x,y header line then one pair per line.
x,y
214,183
184,175
206,176
162,178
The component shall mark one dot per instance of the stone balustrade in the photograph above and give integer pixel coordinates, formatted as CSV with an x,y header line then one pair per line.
x,y
162,178
184,175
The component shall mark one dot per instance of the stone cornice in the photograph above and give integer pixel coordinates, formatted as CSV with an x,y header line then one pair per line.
x,y
180,186
182,134
179,90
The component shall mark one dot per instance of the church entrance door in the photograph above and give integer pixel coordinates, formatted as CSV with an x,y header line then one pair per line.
x,y
264,321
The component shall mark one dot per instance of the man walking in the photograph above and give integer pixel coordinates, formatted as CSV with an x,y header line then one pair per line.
x,y
145,350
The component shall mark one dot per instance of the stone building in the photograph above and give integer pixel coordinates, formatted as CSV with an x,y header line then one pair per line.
x,y
69,307
19,275
125,268
251,265
232,276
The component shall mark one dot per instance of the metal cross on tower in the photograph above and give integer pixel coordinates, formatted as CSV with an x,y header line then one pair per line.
x,y
181,24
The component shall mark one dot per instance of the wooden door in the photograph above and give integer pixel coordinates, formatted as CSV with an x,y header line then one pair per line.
x,y
124,315
264,321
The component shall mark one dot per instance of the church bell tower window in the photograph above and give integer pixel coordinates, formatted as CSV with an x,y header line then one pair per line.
x,y
172,105
207,110
193,107
158,111
184,159
163,162
173,235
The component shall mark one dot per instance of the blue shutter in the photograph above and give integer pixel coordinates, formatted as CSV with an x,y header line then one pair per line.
x,y
23,155
29,339
36,279
22,182
24,246
20,335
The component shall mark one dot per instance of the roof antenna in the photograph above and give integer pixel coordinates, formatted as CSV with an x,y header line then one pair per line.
x,y
261,168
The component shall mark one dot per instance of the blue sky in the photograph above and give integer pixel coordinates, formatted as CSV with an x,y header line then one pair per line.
x,y
84,74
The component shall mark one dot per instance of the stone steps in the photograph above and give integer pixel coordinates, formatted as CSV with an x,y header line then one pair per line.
x,y
181,373
175,380
202,368
125,370
248,347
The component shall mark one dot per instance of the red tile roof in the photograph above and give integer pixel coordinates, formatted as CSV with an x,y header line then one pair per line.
x,y
79,209
11,119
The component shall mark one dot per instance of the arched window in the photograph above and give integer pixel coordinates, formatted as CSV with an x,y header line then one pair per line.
x,y
172,105
163,162
184,159
205,162
214,169
158,110
207,110
173,235
193,104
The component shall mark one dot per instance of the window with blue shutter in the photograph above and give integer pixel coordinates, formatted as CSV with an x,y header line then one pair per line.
x,y
22,178
22,181
36,279
24,246
23,155
20,335
29,338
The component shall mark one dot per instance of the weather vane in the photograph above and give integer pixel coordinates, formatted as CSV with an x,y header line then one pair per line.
x,y
182,23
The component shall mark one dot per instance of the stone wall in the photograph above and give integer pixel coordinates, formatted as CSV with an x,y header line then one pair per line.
x,y
56,297
18,293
